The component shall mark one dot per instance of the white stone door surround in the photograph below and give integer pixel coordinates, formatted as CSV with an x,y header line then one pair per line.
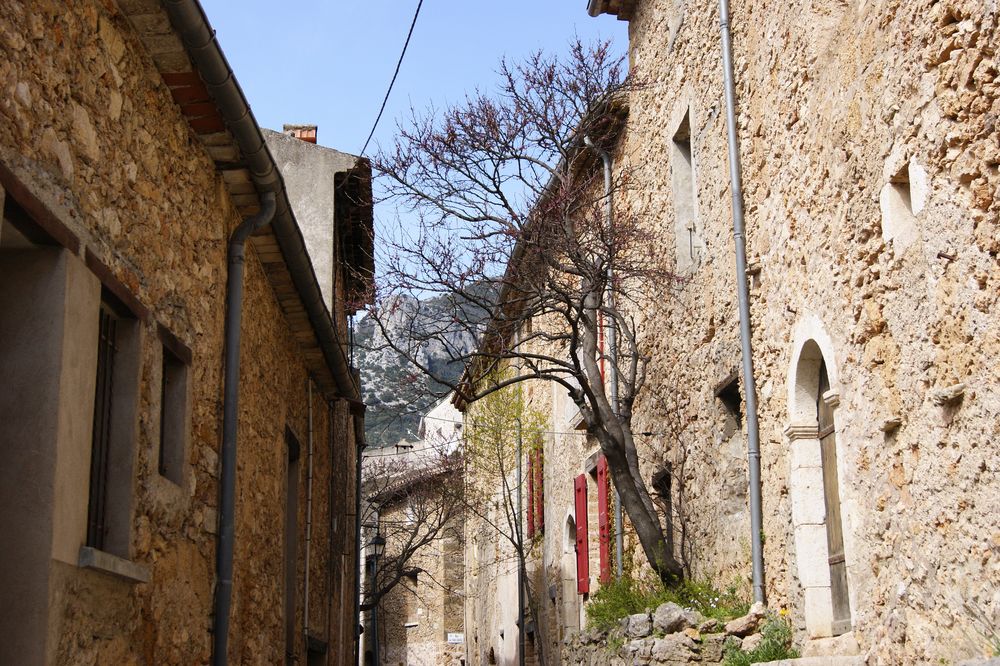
x,y
810,347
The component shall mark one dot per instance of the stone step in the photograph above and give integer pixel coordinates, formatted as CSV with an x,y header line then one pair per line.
x,y
819,661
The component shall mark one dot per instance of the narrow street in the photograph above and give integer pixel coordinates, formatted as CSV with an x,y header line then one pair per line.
x,y
604,333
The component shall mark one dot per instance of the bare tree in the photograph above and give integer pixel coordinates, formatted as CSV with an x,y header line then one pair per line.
x,y
415,506
511,215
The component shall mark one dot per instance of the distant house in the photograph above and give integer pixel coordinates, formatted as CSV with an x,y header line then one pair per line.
x,y
412,499
128,157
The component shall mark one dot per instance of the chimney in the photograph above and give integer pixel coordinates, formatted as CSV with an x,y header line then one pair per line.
x,y
306,133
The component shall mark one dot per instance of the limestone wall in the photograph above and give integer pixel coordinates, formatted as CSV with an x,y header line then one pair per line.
x,y
839,103
88,127
416,617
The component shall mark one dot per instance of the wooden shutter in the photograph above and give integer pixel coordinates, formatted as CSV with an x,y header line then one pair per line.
x,y
582,544
539,490
831,494
531,495
603,525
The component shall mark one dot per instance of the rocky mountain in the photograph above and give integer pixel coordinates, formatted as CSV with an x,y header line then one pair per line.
x,y
398,393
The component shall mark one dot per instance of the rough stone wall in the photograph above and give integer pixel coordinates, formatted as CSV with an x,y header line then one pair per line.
x,y
416,617
88,126
837,100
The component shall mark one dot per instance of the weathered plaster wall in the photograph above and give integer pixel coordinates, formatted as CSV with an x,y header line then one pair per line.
x,y
836,100
309,171
87,125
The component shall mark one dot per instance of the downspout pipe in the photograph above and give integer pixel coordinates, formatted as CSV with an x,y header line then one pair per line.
x,y
612,345
230,414
309,517
743,298
358,417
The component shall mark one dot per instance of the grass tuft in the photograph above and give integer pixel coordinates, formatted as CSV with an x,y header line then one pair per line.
x,y
628,596
776,644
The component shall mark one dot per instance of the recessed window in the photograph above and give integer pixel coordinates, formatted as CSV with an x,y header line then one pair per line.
x,y
687,232
663,488
291,538
728,393
111,455
174,415
899,224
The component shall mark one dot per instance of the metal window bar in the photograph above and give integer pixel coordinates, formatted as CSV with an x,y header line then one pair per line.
x,y
101,443
164,381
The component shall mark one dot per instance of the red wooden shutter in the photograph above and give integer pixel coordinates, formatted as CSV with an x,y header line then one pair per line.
x,y
582,545
531,495
603,527
540,490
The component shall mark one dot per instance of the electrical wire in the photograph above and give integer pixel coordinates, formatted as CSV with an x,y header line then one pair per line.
x,y
393,82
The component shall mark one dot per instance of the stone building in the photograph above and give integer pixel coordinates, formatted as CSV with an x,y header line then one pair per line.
x,y
128,157
868,144
413,501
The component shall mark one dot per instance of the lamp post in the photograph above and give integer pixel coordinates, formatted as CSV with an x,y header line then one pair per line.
x,y
377,545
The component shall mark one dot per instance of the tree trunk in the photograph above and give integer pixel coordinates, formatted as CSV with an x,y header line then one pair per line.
x,y
645,522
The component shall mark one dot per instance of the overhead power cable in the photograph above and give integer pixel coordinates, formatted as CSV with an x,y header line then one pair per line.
x,y
394,75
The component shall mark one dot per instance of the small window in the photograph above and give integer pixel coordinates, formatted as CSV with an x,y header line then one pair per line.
x,y
687,231
899,224
728,393
291,540
115,396
174,418
663,487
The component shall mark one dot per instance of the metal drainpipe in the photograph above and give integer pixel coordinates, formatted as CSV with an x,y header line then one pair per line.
x,y
230,415
359,438
309,511
330,532
743,295
613,348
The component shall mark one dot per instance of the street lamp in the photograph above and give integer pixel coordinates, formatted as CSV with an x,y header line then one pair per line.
x,y
377,544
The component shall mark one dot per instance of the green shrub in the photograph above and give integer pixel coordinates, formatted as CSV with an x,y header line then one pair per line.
x,y
710,602
776,644
628,596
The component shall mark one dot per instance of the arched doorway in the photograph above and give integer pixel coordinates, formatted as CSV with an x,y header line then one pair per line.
x,y
815,486
570,600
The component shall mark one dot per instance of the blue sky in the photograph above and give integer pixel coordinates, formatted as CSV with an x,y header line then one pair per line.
x,y
329,62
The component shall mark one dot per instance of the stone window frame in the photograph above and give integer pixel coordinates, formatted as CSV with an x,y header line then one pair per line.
x,y
902,199
48,225
812,345
685,112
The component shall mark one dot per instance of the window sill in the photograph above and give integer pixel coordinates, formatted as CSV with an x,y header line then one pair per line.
x,y
92,558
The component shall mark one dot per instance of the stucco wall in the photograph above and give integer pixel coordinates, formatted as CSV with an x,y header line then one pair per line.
x,y
88,127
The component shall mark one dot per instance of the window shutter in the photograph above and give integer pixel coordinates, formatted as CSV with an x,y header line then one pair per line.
x,y
582,545
540,490
531,495
603,526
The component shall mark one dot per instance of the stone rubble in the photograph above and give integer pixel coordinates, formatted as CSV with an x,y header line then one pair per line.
x,y
669,636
